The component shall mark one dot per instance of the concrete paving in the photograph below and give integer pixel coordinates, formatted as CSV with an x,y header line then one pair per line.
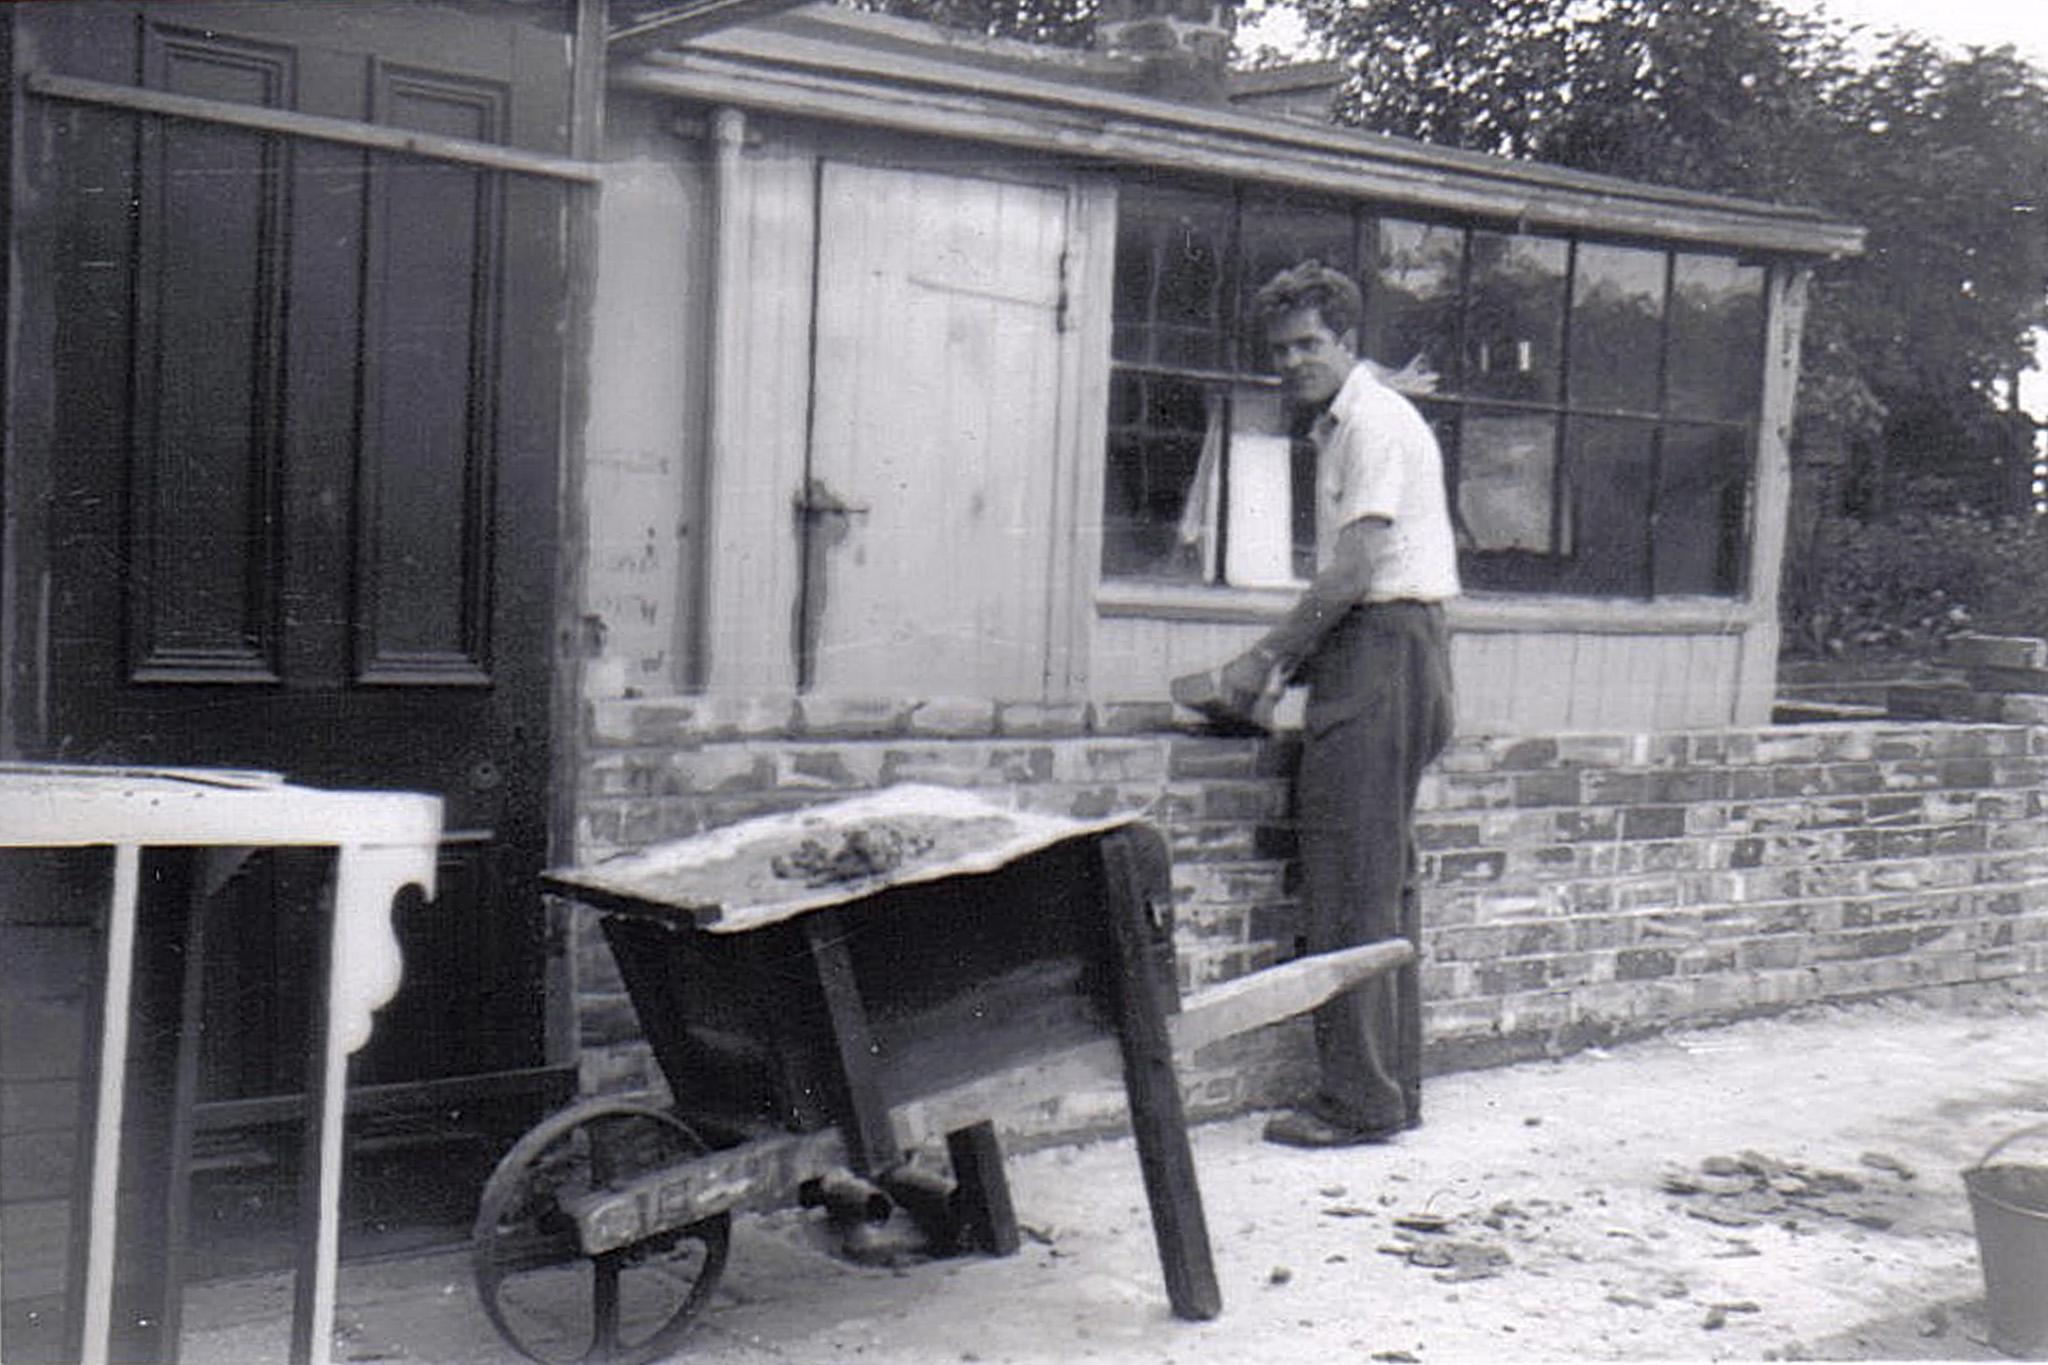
x,y
1588,1208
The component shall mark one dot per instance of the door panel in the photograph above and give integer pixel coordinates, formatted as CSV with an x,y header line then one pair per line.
x,y
928,524
304,405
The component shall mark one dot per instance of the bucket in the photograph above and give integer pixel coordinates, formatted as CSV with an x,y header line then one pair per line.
x,y
2009,1205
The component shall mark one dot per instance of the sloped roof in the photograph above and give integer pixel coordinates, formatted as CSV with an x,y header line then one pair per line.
x,y
829,63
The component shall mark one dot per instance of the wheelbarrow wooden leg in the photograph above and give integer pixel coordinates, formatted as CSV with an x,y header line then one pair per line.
x,y
1135,864
987,1219
870,1137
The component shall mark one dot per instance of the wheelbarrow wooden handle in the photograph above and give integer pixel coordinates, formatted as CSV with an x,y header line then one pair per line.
x,y
1206,1016
1266,997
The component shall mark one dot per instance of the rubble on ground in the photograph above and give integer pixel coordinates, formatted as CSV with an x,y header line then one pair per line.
x,y
1424,1239
1750,1189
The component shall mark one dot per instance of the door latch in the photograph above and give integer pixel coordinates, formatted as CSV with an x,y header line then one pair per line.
x,y
818,500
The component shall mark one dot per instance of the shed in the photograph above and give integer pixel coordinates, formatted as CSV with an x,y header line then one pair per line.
x,y
920,365
391,388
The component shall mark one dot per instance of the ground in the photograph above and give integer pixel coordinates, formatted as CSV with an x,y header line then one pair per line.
x,y
1783,1188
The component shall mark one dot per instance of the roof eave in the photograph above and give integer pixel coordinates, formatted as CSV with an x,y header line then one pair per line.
x,y
819,78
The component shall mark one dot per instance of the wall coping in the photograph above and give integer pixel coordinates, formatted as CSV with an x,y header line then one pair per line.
x,y
695,719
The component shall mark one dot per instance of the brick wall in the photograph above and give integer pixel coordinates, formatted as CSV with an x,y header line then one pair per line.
x,y
1577,889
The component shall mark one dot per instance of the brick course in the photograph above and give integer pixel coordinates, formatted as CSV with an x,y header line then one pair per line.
x,y
1576,889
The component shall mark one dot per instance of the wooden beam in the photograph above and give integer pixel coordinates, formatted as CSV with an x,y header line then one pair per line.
x,y
864,1117
1477,611
1137,881
290,123
988,1220
543,1088
559,1042
669,25
19,646
1757,673
116,987
313,1286
1231,146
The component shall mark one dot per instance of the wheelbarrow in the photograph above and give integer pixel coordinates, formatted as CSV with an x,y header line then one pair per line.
x,y
831,995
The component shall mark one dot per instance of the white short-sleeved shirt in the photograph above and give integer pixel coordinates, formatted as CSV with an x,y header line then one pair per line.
x,y
1377,457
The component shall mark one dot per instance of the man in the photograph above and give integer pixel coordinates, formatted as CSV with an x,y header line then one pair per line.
x,y
1367,637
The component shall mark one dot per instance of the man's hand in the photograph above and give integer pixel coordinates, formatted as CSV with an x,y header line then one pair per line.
x,y
1418,376
1231,698
1245,678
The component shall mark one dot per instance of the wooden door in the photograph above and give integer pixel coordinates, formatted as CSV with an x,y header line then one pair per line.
x,y
295,405
935,444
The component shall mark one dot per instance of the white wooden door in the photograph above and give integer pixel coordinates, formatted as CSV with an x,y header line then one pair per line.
x,y
927,520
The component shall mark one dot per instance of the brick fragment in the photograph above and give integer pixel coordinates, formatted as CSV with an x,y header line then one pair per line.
x,y
1999,651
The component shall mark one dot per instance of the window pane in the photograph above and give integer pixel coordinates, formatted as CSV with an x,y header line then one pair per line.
x,y
1514,321
1170,250
1154,523
1275,235
1617,323
1263,493
1607,534
1507,483
1717,342
1702,509
1412,307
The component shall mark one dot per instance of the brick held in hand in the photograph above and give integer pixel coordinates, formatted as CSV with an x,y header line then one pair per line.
x,y
1224,710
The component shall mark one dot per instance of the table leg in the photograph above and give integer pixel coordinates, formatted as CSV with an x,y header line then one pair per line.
x,y
162,1087
358,966
1137,882
319,1230
95,1315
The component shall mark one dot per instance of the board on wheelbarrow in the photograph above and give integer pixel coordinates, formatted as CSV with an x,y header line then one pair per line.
x,y
830,990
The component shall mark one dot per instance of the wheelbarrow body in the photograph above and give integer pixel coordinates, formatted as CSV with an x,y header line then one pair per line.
x,y
828,992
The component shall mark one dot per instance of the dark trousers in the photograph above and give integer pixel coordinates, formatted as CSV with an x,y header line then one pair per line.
x,y
1379,710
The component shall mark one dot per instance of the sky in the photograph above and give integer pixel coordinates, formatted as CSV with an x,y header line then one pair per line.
x,y
1984,23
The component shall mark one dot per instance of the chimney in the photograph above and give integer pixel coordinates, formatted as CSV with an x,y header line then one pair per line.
x,y
1177,49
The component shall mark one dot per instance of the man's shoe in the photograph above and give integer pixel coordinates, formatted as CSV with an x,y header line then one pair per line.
x,y
1305,1128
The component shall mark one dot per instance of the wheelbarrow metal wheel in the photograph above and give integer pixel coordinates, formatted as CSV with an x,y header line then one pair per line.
x,y
550,1299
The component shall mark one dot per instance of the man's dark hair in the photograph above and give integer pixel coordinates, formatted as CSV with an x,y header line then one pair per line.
x,y
1311,285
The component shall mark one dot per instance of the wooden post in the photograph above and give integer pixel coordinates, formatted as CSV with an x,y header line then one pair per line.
x,y
870,1137
1136,883
1757,669
319,1147
162,1088
588,64
987,1219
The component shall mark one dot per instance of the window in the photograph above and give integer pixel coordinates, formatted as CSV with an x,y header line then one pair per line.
x,y
1205,482
1596,401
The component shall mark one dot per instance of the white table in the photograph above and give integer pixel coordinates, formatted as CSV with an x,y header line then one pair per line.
x,y
384,842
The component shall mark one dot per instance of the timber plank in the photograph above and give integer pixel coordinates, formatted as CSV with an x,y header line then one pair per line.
x,y
1134,865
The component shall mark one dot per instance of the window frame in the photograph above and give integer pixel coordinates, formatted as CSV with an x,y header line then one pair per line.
x,y
1545,575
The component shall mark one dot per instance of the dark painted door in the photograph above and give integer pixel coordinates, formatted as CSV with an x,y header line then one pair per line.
x,y
300,406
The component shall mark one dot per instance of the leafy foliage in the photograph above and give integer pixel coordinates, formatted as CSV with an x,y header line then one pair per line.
x,y
1679,92
1908,580
1943,158
1056,23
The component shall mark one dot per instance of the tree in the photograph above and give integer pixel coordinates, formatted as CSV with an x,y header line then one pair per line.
x,y
1056,23
1949,169
1944,158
